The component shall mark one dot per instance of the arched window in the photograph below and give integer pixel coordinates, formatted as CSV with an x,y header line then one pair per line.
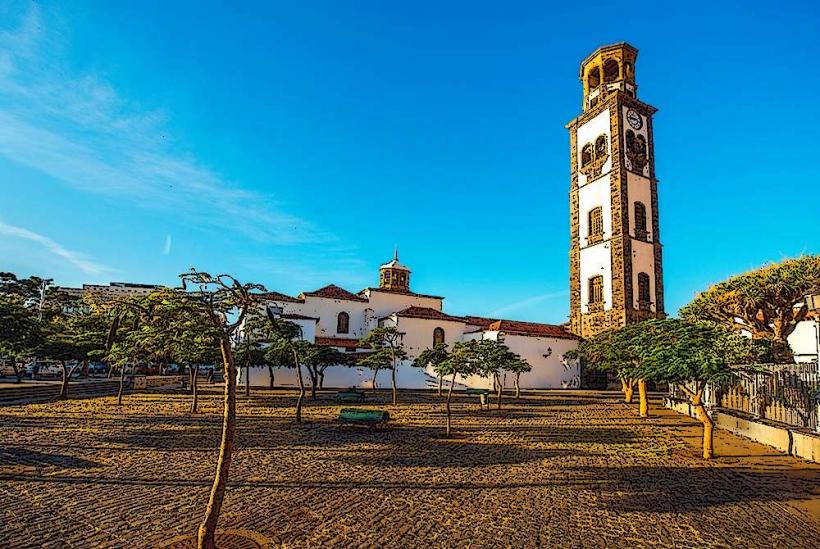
x,y
640,220
586,154
593,78
643,289
596,222
596,290
611,70
628,69
640,145
600,146
343,323
630,141
438,336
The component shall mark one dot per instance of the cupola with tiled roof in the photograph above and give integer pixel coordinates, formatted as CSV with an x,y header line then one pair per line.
x,y
394,276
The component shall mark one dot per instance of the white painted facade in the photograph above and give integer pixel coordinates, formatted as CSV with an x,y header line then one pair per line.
x,y
416,316
804,342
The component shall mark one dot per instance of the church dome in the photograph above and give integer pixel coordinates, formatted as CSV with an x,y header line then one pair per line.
x,y
394,276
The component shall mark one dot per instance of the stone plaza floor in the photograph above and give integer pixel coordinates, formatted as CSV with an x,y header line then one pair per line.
x,y
553,469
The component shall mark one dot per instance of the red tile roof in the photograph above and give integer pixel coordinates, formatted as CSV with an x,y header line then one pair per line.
x,y
514,327
276,296
479,320
390,291
331,291
428,313
338,342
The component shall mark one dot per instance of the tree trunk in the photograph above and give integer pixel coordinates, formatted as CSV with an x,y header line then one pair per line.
x,y
207,529
500,391
644,402
66,376
16,369
393,375
375,373
247,381
193,371
84,370
122,385
447,405
195,400
314,380
440,382
517,386
270,373
708,425
301,387
322,379
628,387
782,352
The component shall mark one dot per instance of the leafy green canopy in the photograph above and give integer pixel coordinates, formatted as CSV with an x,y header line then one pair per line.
x,y
768,302
671,350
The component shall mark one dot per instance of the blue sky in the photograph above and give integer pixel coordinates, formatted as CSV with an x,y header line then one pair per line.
x,y
295,144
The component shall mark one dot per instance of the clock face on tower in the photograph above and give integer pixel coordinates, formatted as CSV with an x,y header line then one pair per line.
x,y
634,119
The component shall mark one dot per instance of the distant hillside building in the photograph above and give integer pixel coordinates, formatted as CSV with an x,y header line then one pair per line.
x,y
109,291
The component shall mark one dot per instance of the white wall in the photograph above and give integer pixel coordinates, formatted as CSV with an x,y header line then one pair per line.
x,y
596,260
385,303
803,341
590,197
327,310
638,190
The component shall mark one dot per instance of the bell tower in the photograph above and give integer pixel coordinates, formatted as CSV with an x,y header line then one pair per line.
x,y
616,270
394,276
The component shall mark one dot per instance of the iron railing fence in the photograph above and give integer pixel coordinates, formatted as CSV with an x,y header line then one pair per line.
x,y
784,393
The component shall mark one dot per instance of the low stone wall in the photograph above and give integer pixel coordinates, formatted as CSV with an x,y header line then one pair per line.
x,y
151,382
793,441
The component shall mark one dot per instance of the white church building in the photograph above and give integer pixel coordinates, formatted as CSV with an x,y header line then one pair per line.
x,y
334,317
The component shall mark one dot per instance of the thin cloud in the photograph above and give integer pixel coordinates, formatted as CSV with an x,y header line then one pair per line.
x,y
526,303
79,260
166,249
80,130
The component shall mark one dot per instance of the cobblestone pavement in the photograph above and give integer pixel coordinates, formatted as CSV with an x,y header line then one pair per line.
x,y
554,469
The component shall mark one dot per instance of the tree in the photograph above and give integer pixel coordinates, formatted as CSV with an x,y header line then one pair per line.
x,y
388,351
249,350
518,366
621,353
319,359
225,302
494,357
288,348
463,360
20,333
76,336
165,326
693,355
768,302
432,357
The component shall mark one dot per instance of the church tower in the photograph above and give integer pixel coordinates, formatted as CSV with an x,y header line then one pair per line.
x,y
394,276
616,273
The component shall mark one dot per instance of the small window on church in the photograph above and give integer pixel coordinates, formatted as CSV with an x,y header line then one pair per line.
x,y
596,222
593,78
611,70
438,336
600,146
596,289
343,323
630,141
640,220
586,154
629,70
643,288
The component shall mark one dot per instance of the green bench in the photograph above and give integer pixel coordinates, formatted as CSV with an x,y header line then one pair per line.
x,y
482,395
369,418
349,396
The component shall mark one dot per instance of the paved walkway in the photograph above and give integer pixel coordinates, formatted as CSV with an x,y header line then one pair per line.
x,y
558,469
